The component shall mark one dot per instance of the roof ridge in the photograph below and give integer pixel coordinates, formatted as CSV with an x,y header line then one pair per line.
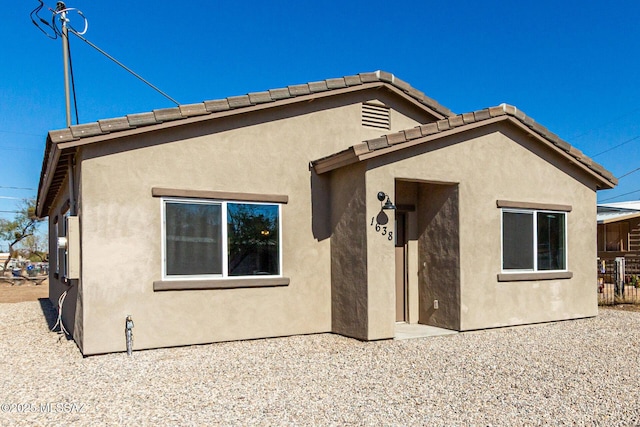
x,y
463,119
184,111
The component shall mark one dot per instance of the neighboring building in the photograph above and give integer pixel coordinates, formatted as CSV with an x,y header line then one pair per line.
x,y
15,262
259,216
619,235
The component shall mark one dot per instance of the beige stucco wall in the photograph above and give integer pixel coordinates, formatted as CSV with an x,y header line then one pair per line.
x,y
489,166
349,285
265,153
439,255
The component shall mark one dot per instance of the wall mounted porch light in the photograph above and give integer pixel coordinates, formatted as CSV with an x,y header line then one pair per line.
x,y
387,205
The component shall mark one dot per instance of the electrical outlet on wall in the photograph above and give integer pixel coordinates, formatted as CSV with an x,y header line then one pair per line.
x,y
435,304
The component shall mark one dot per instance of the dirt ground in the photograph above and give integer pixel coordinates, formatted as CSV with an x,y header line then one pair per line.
x,y
624,307
27,291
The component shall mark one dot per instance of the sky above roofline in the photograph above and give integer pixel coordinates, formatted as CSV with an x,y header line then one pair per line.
x,y
569,65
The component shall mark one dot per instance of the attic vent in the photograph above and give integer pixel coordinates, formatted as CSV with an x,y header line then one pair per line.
x,y
376,116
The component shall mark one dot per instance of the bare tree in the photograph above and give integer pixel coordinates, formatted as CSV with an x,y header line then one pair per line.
x,y
34,247
22,226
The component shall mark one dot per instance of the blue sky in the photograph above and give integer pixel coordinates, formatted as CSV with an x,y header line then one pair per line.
x,y
573,66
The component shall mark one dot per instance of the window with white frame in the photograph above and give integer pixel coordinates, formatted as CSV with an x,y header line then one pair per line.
x,y
534,240
220,239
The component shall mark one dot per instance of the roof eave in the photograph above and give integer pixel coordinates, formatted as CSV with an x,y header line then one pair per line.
x,y
68,140
50,158
619,218
433,131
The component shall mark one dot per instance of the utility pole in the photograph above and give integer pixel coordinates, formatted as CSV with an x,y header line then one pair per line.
x,y
61,8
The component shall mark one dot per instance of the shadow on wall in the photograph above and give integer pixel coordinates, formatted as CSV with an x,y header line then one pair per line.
x,y
50,313
320,206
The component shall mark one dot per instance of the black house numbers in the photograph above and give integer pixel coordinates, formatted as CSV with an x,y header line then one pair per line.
x,y
381,228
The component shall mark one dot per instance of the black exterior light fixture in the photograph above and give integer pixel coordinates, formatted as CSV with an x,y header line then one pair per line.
x,y
388,206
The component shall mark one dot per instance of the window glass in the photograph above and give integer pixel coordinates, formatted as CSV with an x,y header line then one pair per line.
x,y
197,242
517,241
613,237
534,240
551,241
252,239
617,235
193,238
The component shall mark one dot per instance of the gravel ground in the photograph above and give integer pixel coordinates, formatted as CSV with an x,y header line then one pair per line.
x,y
583,372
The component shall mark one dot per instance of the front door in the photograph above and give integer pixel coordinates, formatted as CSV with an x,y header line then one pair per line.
x,y
401,267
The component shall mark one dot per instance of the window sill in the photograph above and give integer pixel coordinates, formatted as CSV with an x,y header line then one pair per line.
x,y
182,285
520,277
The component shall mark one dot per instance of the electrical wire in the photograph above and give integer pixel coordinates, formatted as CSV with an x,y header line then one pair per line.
x,y
620,195
616,146
66,11
625,194
60,14
628,173
618,118
18,188
79,35
34,16
51,29
59,321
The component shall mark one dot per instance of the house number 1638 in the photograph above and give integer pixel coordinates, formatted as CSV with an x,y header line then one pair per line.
x,y
382,229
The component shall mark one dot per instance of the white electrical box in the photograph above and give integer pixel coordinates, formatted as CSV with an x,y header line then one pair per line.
x,y
73,247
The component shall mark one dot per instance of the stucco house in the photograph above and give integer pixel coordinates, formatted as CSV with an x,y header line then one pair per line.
x,y
272,214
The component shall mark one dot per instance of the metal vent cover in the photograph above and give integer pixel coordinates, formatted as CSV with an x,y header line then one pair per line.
x,y
376,116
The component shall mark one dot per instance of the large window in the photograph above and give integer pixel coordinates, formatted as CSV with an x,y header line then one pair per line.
x,y
533,240
221,239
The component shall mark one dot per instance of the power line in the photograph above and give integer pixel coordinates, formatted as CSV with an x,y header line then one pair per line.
x,y
616,146
17,188
123,66
620,195
620,117
625,194
52,31
629,173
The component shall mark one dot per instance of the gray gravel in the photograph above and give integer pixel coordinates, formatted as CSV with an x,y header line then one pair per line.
x,y
583,372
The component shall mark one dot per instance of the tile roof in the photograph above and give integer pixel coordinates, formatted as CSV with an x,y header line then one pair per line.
x,y
133,121
420,134
61,144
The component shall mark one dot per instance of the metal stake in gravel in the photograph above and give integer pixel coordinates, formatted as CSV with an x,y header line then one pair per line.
x,y
128,331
